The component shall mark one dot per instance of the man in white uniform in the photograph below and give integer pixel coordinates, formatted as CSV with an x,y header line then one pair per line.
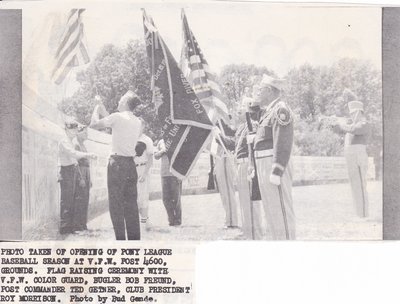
x,y
355,152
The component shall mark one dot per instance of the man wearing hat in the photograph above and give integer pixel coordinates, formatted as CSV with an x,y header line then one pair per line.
x,y
69,177
355,152
273,145
121,173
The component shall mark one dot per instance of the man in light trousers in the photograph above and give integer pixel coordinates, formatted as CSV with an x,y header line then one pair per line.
x,y
251,210
144,162
355,152
273,145
225,175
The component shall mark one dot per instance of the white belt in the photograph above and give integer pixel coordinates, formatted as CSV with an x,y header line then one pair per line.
x,y
242,160
263,153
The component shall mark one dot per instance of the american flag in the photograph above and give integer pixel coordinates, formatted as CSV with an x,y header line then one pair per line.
x,y
195,67
71,51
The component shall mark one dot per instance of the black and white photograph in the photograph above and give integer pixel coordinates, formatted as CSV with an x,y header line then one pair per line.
x,y
211,133
201,122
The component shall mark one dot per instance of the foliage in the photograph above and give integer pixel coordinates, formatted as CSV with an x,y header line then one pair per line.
x,y
316,91
311,92
112,72
236,79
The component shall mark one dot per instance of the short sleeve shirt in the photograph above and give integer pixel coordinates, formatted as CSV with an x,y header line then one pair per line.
x,y
67,155
126,128
148,153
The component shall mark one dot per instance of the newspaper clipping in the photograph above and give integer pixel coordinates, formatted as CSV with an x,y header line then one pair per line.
x,y
171,125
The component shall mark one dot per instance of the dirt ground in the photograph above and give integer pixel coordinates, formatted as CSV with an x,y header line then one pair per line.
x,y
323,212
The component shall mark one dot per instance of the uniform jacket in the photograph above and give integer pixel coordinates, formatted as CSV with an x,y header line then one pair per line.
x,y
275,132
241,147
238,142
356,133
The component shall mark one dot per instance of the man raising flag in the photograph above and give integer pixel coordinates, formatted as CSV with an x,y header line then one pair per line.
x,y
186,127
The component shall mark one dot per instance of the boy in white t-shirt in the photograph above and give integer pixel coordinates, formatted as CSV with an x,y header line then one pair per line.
x,y
144,161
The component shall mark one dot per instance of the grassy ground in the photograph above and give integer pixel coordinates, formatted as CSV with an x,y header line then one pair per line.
x,y
323,212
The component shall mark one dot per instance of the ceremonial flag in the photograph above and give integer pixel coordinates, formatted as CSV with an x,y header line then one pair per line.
x,y
71,51
204,83
186,127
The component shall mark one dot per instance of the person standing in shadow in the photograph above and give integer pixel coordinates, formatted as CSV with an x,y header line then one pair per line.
x,y
68,160
171,187
84,184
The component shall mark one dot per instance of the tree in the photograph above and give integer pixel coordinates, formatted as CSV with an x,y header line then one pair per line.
x,y
311,92
366,82
316,91
112,72
302,86
235,78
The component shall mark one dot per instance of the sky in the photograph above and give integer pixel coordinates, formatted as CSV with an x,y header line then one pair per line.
x,y
276,36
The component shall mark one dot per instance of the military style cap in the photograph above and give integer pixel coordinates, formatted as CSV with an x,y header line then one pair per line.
x,y
250,104
130,94
271,82
348,95
71,123
82,128
355,106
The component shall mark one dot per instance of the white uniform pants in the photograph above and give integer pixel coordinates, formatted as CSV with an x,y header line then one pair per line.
x,y
143,193
277,201
357,166
224,174
251,210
